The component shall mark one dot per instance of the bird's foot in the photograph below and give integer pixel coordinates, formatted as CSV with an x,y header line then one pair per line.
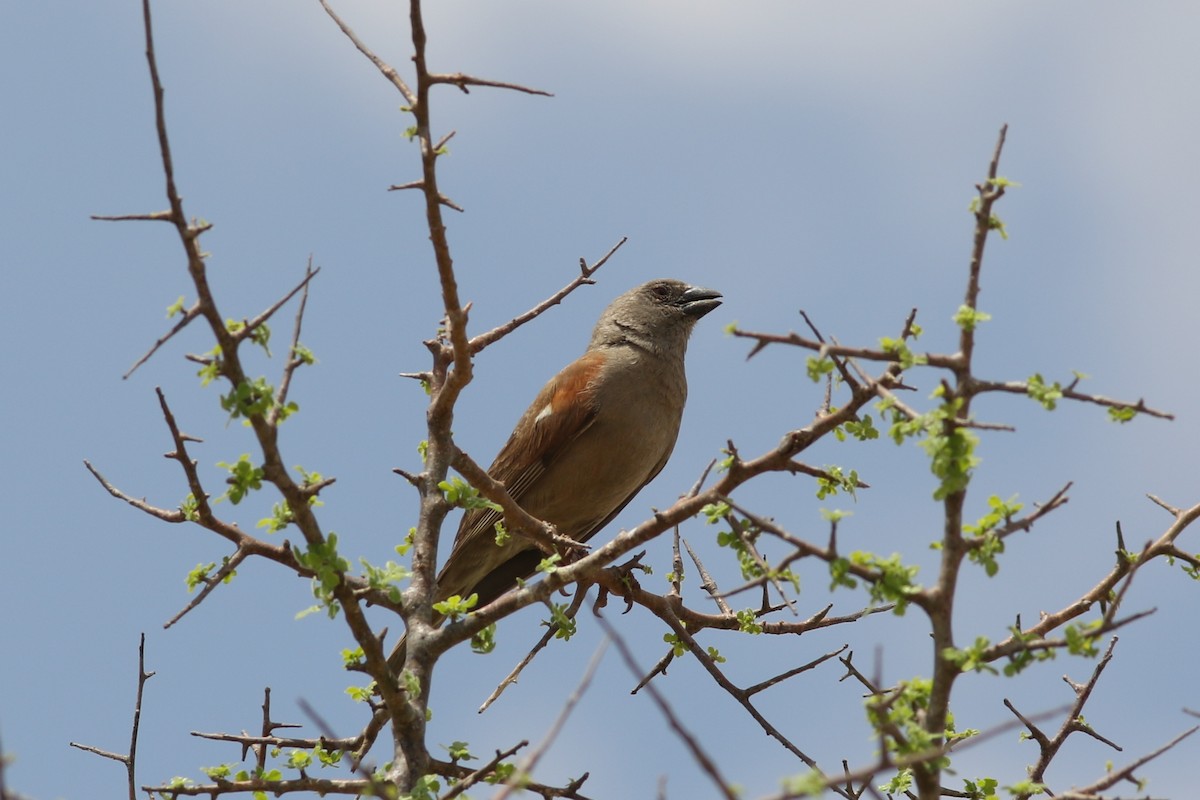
x,y
625,577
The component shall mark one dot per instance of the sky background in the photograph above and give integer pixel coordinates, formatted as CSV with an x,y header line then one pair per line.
x,y
792,155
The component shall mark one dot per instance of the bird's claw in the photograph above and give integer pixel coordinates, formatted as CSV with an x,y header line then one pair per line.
x,y
570,550
625,574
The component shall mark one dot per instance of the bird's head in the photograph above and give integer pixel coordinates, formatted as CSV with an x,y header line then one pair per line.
x,y
658,315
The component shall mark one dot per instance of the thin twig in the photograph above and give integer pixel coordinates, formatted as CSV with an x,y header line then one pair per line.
x,y
478,343
293,361
165,514
551,630
705,762
154,216
463,81
129,759
530,762
187,317
385,69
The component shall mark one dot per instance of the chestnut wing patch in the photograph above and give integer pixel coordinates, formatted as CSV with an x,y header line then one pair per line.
x,y
562,411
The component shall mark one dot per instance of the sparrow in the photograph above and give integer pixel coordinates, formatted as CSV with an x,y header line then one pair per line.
x,y
599,431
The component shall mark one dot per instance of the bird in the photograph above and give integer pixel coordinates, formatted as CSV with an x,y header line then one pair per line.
x,y
597,432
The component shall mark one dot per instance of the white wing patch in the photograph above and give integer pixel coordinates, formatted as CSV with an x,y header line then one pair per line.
x,y
544,413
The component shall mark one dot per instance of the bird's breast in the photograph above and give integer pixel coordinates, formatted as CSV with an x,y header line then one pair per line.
x,y
631,435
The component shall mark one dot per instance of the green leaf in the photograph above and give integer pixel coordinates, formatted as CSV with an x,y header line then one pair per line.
x,y
304,612
309,480
715,512
1001,182
281,517
286,410
361,694
212,364
862,429
412,684
484,641
898,348
750,566
303,355
981,789
328,758
818,368
899,784
836,480
1046,394
898,716
250,398
455,606
1026,787
988,545
462,494
970,659
748,621
949,445
243,478
811,785
459,751
261,336
406,545
386,578
678,646
1082,640
564,623
1121,414
200,574
969,318
893,581
190,508
427,787
328,567
839,574
1021,659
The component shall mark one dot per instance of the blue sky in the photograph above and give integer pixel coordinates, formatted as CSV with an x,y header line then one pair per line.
x,y
815,156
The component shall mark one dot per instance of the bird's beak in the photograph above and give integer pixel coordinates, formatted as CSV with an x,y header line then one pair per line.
x,y
696,301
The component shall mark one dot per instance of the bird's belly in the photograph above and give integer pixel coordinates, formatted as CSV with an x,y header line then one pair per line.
x,y
597,475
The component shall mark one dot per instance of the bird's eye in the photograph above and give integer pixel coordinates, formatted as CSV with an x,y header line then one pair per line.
x,y
661,290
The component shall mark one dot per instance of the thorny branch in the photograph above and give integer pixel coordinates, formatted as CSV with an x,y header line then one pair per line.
x,y
1073,722
479,342
701,757
531,761
129,759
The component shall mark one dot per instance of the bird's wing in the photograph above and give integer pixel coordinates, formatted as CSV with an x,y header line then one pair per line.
x,y
503,575
562,411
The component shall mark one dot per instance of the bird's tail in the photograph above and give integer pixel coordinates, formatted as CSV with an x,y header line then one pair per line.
x,y
396,659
